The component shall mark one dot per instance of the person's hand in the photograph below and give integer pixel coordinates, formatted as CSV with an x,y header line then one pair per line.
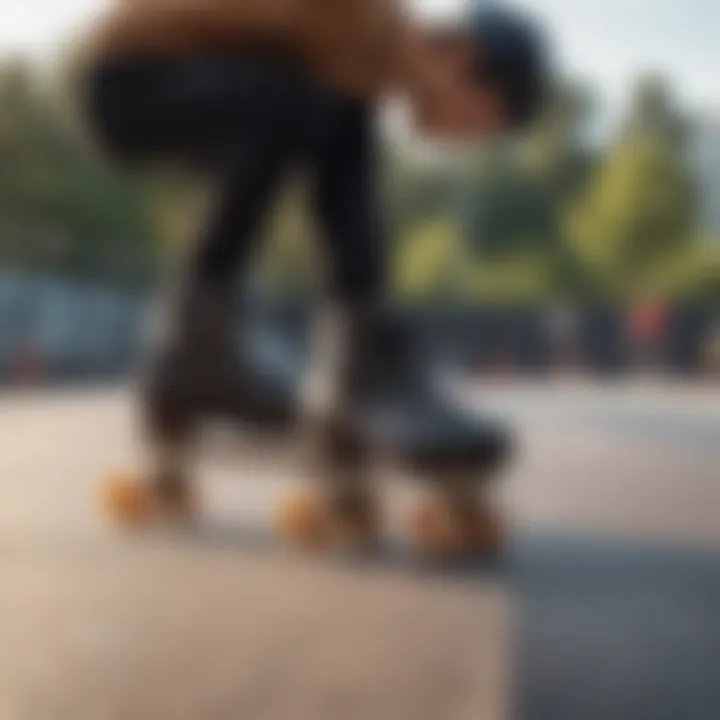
x,y
445,98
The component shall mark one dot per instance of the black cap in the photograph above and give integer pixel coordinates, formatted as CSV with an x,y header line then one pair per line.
x,y
512,54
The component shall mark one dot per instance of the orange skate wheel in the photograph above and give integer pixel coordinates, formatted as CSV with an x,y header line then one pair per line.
x,y
441,530
127,500
131,500
302,519
311,521
435,529
485,532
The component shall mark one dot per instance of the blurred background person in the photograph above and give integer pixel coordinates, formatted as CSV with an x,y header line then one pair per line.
x,y
647,334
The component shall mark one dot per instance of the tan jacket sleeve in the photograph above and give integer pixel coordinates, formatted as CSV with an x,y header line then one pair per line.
x,y
350,44
167,25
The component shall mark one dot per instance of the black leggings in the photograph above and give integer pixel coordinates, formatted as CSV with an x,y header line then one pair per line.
x,y
246,121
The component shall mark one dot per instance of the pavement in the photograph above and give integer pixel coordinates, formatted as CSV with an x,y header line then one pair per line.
x,y
607,604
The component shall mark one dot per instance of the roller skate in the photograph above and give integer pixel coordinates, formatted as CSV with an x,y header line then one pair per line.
x,y
199,373
405,415
336,509
336,506
391,408
161,494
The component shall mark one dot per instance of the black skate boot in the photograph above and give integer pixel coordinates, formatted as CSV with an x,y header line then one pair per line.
x,y
395,400
373,397
399,409
199,373
211,365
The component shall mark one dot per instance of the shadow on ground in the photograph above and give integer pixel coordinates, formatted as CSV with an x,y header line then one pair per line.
x,y
389,555
615,631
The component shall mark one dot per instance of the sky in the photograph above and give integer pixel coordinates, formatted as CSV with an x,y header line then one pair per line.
x,y
603,42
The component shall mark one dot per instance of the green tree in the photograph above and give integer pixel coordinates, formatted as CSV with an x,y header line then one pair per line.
x,y
61,208
428,261
289,261
654,112
639,211
509,210
515,204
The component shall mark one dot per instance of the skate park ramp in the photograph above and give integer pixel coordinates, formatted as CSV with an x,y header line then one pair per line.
x,y
607,604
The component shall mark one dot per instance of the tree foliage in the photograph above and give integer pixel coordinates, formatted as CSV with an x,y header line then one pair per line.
x,y
639,212
61,208
552,215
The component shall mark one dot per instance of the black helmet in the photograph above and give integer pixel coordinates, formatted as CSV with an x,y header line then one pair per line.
x,y
512,55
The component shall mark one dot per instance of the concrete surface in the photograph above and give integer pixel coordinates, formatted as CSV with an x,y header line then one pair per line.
x,y
607,606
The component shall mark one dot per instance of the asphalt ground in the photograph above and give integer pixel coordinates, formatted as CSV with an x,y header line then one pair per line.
x,y
607,604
